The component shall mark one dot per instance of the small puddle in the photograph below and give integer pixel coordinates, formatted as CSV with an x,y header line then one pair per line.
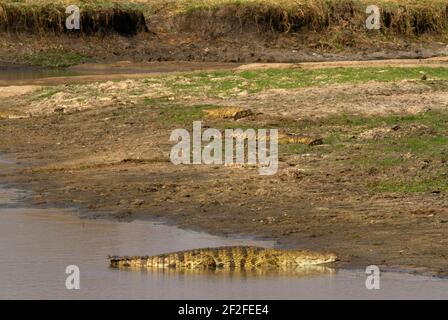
x,y
12,74
25,75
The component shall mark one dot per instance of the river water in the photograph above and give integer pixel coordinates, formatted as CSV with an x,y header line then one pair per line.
x,y
36,246
25,75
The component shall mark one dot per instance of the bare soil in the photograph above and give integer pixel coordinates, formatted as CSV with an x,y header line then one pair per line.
x,y
248,47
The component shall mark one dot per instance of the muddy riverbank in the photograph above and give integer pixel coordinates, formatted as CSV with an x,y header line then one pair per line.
x,y
38,244
52,51
375,192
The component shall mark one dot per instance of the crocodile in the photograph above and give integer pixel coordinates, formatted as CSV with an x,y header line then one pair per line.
x,y
230,258
234,113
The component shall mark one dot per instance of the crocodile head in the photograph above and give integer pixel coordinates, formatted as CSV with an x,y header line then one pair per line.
x,y
304,258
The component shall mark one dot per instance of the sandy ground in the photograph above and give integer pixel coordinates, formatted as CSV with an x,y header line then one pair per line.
x,y
108,155
14,91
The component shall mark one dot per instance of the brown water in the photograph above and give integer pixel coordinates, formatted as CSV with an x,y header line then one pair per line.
x,y
9,75
89,72
36,245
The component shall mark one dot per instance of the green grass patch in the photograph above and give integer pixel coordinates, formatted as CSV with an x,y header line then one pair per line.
x,y
183,115
423,146
437,120
390,161
295,149
296,78
437,183
405,160
55,58
46,93
407,151
232,83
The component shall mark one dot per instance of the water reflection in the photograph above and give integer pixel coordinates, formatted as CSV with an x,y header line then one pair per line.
x,y
300,272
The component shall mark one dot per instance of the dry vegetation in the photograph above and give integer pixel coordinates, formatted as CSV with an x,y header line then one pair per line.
x,y
398,17
221,30
44,17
